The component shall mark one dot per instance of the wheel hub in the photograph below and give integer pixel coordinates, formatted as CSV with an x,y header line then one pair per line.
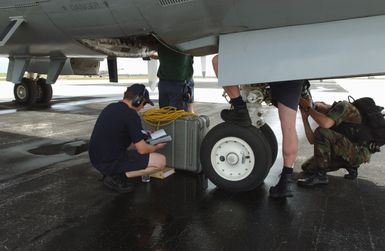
x,y
232,158
21,92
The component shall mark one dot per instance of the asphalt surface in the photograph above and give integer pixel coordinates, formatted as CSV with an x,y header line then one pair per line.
x,y
52,199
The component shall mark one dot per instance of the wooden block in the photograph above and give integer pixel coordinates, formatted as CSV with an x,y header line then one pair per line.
x,y
164,173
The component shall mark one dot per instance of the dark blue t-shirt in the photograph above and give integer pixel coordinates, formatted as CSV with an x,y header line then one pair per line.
x,y
115,129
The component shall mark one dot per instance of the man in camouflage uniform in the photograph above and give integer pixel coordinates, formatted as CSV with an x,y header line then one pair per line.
x,y
332,148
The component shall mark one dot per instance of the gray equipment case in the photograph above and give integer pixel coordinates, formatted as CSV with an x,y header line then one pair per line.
x,y
187,133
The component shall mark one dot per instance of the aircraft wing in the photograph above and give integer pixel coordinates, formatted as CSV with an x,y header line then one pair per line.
x,y
351,47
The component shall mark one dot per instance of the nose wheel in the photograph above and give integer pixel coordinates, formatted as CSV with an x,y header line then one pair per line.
x,y
270,137
236,158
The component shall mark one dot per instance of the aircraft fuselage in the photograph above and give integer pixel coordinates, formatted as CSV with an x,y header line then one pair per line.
x,y
57,26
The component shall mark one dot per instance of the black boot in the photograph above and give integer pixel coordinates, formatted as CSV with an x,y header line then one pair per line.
x,y
318,178
119,183
238,116
353,173
283,187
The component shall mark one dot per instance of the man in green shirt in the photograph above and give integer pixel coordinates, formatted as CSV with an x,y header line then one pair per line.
x,y
176,86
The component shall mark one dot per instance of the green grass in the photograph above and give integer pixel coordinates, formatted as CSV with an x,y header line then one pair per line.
x,y
77,77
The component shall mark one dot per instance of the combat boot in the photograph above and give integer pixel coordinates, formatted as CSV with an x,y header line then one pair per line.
x,y
353,173
318,178
119,183
309,167
283,187
238,116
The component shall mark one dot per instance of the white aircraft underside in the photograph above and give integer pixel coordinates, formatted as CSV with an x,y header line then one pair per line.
x,y
124,28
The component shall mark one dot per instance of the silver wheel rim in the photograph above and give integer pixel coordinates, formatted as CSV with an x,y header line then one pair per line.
x,y
232,158
21,92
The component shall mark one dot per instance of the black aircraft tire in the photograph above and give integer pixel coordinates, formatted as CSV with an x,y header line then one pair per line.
x,y
235,158
46,91
26,92
270,136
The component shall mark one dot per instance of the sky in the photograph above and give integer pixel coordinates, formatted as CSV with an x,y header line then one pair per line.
x,y
135,66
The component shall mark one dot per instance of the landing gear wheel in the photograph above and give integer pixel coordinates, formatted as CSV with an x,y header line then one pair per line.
x,y
46,91
26,92
270,136
235,158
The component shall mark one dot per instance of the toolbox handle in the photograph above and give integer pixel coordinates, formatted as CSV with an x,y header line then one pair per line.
x,y
205,119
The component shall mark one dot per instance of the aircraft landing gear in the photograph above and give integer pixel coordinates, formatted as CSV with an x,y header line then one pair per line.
x,y
31,91
239,158
270,137
45,91
236,158
26,92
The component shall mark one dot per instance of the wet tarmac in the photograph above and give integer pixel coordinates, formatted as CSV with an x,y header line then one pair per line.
x,y
52,199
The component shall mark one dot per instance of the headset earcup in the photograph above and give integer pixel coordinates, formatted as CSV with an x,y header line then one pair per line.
x,y
189,93
186,92
136,101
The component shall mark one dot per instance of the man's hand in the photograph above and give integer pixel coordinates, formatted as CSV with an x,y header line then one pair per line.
x,y
154,56
304,114
160,146
305,103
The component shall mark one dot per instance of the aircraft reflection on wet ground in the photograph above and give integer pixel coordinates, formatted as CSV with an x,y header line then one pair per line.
x,y
52,199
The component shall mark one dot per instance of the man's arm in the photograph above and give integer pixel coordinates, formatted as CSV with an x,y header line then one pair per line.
x,y
142,147
321,119
308,131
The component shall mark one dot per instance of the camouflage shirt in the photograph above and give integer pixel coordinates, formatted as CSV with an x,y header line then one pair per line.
x,y
344,111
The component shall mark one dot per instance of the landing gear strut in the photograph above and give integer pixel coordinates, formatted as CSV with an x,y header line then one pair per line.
x,y
239,158
31,91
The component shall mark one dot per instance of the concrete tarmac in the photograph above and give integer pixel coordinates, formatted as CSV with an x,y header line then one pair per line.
x,y
52,199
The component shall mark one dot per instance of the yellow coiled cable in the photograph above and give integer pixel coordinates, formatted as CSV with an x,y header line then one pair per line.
x,y
164,116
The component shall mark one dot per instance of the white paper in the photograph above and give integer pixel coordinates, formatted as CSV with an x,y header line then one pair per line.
x,y
158,134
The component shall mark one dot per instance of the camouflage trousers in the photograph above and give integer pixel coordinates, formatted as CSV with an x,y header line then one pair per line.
x,y
333,151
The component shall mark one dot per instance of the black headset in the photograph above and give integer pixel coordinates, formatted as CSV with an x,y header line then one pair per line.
x,y
138,99
186,92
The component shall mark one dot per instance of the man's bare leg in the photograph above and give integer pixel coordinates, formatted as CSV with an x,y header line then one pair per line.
x,y
121,184
287,117
232,90
190,107
156,162
239,114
